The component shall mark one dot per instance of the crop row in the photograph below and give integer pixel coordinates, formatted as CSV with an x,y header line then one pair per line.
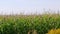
x,y
25,24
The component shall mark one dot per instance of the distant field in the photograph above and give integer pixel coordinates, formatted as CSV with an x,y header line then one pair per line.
x,y
27,24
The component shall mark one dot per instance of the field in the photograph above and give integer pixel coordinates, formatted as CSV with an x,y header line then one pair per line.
x,y
29,24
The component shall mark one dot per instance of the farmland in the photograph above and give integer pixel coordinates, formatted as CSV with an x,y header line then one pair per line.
x,y
27,24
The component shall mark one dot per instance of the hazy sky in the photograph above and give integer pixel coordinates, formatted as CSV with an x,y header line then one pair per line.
x,y
7,6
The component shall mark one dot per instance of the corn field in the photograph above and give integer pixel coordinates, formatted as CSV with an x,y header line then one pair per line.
x,y
31,24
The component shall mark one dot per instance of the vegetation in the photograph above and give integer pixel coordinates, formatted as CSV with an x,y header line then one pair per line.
x,y
54,31
27,24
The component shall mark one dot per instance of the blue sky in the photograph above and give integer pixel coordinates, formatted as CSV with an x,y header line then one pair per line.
x,y
7,6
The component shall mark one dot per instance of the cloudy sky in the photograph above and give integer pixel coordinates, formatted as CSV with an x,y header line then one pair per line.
x,y
28,6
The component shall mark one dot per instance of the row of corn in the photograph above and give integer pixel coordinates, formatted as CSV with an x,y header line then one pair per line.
x,y
28,24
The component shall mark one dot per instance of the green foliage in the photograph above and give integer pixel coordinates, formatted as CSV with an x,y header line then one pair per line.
x,y
23,24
